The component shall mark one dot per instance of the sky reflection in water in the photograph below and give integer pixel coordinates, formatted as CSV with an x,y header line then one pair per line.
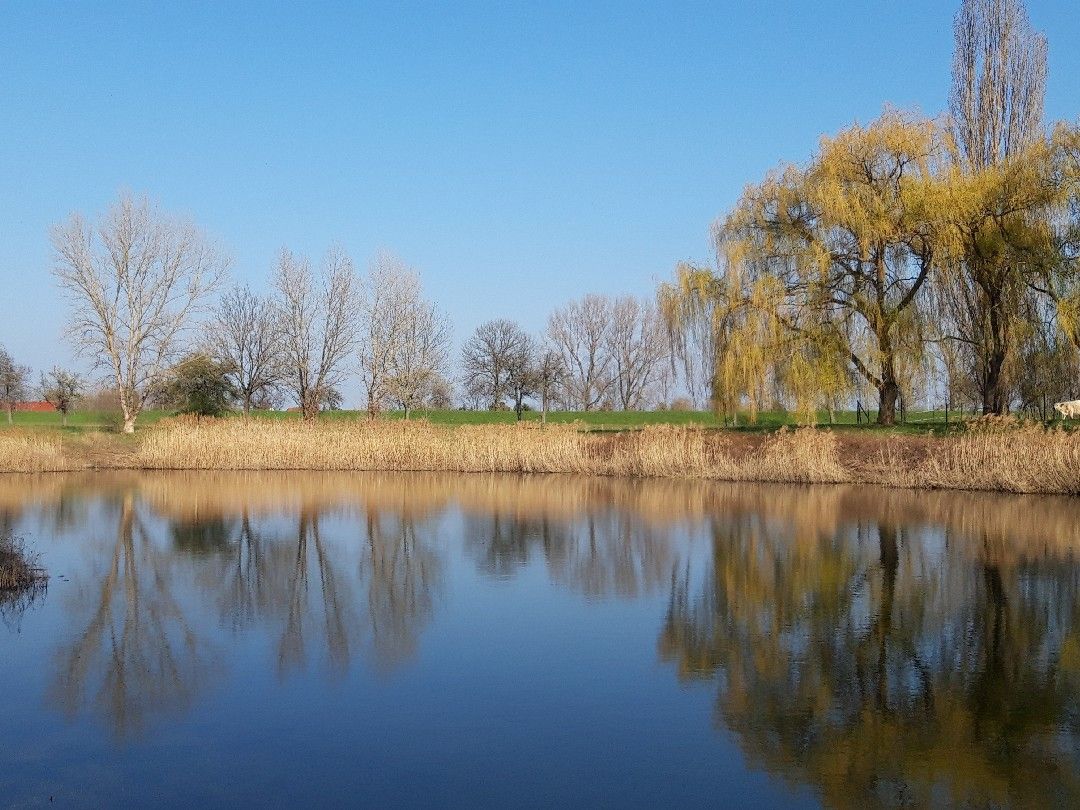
x,y
430,639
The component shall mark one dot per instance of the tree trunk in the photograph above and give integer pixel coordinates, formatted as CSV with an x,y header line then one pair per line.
x,y
128,407
63,418
406,411
888,393
309,407
887,386
994,398
9,409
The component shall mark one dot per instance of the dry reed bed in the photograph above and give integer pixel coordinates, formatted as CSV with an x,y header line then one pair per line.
x,y
805,456
27,453
993,455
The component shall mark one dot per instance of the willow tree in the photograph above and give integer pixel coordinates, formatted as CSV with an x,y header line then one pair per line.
x,y
1005,258
694,306
725,335
825,265
996,105
1064,286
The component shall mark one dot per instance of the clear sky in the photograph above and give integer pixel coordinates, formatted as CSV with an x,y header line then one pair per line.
x,y
517,154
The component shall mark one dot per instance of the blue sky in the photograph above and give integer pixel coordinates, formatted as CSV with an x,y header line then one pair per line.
x,y
518,154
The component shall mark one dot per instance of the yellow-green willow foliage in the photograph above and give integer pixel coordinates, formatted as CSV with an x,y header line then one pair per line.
x,y
1064,286
1002,259
734,336
823,269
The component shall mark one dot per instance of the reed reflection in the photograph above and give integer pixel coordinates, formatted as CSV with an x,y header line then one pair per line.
x,y
887,663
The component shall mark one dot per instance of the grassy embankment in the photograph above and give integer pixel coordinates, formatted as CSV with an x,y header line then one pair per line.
x,y
917,422
995,455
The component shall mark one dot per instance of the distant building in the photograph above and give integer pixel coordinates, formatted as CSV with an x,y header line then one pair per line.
x,y
35,407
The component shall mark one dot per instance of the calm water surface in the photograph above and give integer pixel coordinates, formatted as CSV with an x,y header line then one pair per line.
x,y
241,639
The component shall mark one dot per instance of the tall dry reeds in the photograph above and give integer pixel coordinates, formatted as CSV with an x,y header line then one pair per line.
x,y
656,452
993,455
1006,456
29,453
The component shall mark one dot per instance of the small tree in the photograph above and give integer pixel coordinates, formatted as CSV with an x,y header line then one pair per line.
x,y
488,357
13,379
579,332
198,385
441,395
318,322
62,389
244,338
522,379
388,295
419,354
549,372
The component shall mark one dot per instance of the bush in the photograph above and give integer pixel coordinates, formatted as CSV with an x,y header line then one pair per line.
x,y
18,568
22,581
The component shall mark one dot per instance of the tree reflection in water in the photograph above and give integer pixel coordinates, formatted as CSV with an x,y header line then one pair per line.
x,y
137,656
603,552
326,598
886,665
882,647
403,573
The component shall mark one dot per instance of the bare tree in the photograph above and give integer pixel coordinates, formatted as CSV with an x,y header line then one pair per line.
x,y
317,319
419,354
244,337
638,346
384,309
133,282
549,374
999,80
579,332
522,379
488,357
13,377
62,389
441,394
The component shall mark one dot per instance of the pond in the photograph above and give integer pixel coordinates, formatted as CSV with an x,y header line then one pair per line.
x,y
388,639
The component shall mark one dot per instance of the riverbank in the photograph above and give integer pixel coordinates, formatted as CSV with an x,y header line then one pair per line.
x,y
996,456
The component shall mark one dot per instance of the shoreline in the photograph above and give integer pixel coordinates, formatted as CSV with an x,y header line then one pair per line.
x,y
992,458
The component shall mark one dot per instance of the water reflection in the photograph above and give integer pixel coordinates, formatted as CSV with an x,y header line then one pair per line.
x,y
889,663
136,653
879,647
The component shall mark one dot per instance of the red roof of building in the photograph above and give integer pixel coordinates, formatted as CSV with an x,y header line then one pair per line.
x,y
37,407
